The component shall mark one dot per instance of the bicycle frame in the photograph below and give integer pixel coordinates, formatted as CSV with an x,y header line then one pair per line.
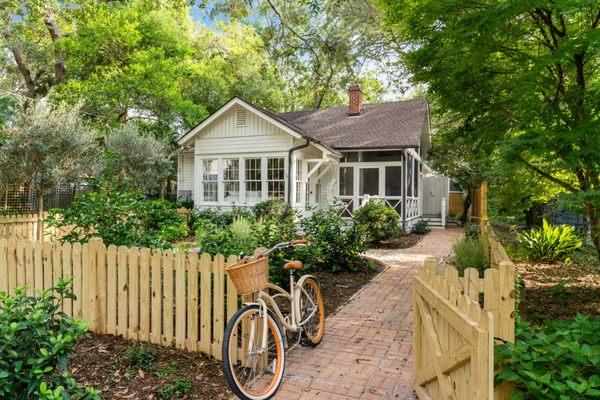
x,y
264,299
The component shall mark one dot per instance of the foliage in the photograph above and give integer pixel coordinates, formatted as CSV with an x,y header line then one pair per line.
x,y
138,158
520,78
120,216
47,145
421,227
140,356
334,243
176,389
469,254
550,243
37,340
561,360
274,209
472,230
378,221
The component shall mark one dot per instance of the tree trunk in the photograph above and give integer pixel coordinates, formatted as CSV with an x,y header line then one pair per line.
x,y
593,217
466,204
40,222
529,218
161,190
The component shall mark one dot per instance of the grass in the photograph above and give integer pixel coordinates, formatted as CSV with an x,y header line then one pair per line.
x,y
468,253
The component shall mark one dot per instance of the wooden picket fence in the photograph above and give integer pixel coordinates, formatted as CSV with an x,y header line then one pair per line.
x,y
26,227
456,321
158,297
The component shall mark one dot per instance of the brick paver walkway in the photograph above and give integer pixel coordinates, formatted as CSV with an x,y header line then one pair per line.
x,y
366,351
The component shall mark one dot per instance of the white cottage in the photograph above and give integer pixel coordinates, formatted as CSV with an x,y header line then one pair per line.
x,y
243,154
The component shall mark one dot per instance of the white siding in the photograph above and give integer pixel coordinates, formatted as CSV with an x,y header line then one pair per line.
x,y
257,136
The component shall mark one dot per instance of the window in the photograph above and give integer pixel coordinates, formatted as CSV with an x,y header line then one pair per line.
x,y
455,187
210,183
276,178
351,156
240,117
416,179
409,176
347,181
298,198
393,181
253,179
381,156
231,180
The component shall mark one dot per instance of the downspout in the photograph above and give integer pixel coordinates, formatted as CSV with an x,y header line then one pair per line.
x,y
290,183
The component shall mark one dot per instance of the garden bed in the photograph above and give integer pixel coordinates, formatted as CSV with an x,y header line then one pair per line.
x,y
400,242
105,362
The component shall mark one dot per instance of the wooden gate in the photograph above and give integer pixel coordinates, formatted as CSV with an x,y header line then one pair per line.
x,y
453,340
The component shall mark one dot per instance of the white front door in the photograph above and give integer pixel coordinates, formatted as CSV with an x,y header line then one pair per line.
x,y
434,189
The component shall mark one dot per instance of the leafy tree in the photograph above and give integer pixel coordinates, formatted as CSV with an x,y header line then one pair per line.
x,y
319,46
47,145
524,73
139,159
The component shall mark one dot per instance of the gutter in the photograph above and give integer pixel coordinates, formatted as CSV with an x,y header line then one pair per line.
x,y
290,183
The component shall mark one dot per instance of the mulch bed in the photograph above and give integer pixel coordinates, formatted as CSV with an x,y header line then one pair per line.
x,y
559,291
102,362
400,242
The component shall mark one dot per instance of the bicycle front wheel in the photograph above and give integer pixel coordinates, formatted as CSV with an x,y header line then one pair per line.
x,y
253,365
312,308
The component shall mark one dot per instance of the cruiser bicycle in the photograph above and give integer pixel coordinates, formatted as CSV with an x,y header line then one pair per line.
x,y
256,337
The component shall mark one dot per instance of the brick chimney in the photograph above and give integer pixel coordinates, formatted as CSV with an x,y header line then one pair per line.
x,y
355,104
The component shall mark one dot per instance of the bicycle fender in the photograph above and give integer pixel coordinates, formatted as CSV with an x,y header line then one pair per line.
x,y
303,278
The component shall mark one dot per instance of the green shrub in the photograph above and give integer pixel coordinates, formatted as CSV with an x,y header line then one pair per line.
x,y
120,216
472,230
468,253
560,360
378,221
140,357
334,243
176,389
421,227
274,209
37,340
550,243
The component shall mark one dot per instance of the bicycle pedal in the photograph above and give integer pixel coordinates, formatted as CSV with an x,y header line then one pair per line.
x,y
305,343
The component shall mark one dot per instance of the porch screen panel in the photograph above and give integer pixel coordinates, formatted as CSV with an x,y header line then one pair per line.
x,y
416,179
298,198
393,181
231,180
368,182
276,178
409,176
253,180
210,180
347,181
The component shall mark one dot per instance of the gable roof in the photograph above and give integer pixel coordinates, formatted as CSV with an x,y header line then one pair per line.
x,y
384,125
395,124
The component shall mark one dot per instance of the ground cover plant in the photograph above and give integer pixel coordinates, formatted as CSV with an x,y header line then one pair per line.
x,y
559,360
550,243
37,340
378,221
421,227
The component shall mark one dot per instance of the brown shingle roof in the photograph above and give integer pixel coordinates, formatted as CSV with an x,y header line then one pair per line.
x,y
383,125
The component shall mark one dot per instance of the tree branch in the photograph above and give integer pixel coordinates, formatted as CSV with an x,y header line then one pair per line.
x,y
548,176
60,56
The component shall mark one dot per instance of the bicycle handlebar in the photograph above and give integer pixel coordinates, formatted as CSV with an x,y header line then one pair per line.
x,y
278,246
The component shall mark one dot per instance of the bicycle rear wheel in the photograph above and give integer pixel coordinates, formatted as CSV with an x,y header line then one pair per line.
x,y
311,301
253,372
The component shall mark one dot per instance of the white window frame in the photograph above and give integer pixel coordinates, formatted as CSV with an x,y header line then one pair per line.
x,y
203,181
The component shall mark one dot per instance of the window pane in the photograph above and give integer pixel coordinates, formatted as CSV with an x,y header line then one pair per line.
x,y
369,181
276,189
298,198
393,181
381,155
209,178
350,156
455,187
346,181
275,169
231,169
232,191
416,179
253,180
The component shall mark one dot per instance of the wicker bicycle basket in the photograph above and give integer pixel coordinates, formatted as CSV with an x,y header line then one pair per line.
x,y
249,276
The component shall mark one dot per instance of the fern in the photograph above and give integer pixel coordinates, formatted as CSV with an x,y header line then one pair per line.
x,y
550,243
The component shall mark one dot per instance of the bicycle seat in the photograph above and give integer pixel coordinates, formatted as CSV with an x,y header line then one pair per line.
x,y
294,264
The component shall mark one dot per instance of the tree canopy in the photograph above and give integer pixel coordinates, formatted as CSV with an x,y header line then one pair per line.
x,y
524,76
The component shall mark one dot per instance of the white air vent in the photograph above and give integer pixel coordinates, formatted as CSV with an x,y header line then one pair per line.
x,y
240,117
